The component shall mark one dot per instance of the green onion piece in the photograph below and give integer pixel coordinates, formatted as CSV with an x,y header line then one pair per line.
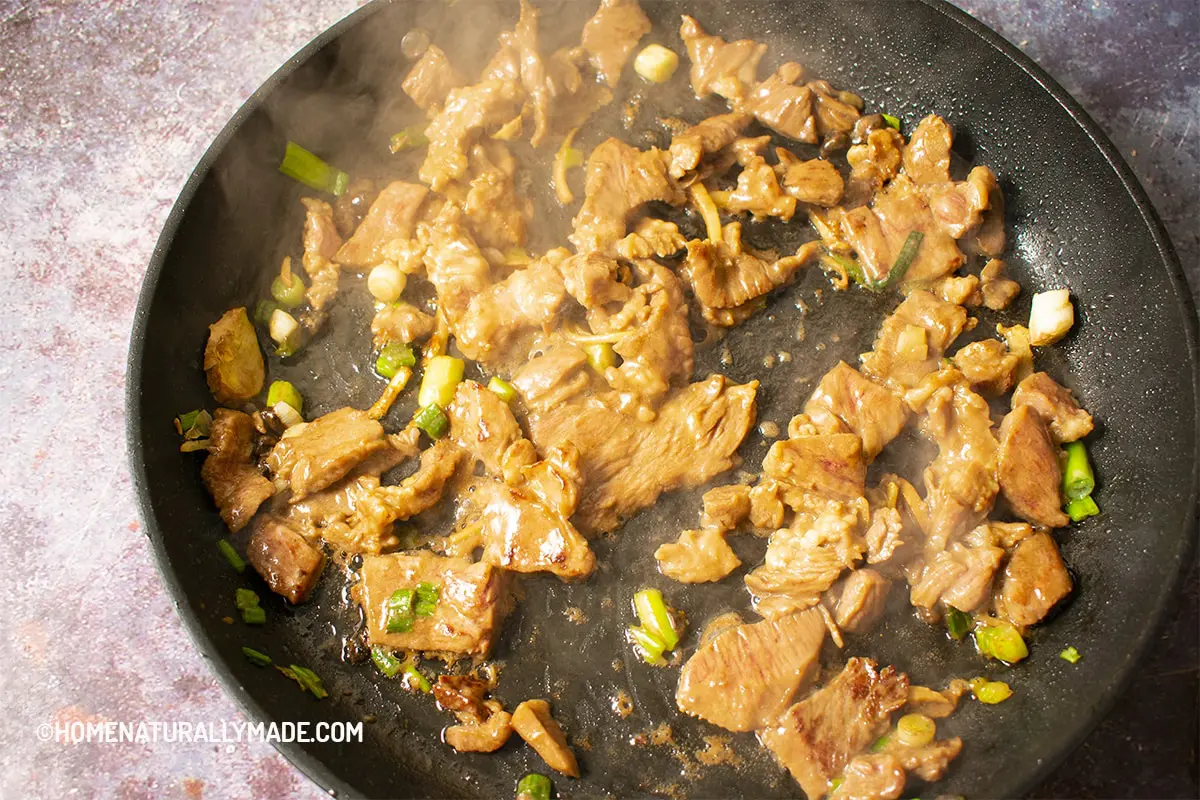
x,y
654,616
440,381
194,424
600,356
1081,509
903,261
386,661
1078,478
534,787
284,392
392,357
246,598
1002,641
400,611
231,555
432,420
851,267
505,390
254,615
1071,655
288,295
958,624
309,681
990,692
649,646
185,422
880,743
416,679
310,170
893,122
410,138
573,158
835,783
256,658
264,310
427,599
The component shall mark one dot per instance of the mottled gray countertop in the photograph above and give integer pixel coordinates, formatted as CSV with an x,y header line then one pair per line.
x,y
105,108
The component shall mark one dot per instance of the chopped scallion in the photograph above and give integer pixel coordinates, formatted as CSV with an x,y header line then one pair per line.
x,y
308,680
505,390
285,392
908,254
1071,655
1002,641
648,645
256,658
427,599
392,357
288,292
254,615
310,170
231,555
246,598
990,692
1081,509
534,787
400,611
440,381
879,744
1078,478
893,122
652,612
416,680
410,138
386,661
432,420
600,356
958,624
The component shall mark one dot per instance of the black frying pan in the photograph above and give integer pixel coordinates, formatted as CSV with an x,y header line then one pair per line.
x,y
1078,219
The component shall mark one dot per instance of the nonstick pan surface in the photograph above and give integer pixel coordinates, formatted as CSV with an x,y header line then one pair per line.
x,y
1077,219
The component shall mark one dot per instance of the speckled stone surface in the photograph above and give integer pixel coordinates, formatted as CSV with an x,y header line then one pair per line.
x,y
105,107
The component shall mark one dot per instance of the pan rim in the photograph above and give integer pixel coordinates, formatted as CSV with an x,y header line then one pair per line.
x,y
315,769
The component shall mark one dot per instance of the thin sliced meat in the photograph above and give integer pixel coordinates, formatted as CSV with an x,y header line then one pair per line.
x,y
484,426
726,68
472,601
928,762
876,776
468,111
826,466
873,163
988,366
381,506
705,138
610,36
526,301
927,155
816,181
743,677
594,280
998,291
533,722
454,263
1056,405
785,106
431,79
816,738
1029,472
651,237
401,322
627,461
725,507
321,244
960,577
933,323
319,453
1035,580
726,276
484,736
392,217
553,378
495,213
697,556
284,559
620,179
758,192
862,600
229,473
845,397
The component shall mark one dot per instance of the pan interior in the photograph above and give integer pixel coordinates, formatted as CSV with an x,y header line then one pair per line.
x,y
1072,224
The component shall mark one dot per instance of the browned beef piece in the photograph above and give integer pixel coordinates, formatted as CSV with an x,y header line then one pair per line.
x,y
877,776
417,493
766,509
758,192
431,79
863,598
466,620
828,466
873,163
526,527
1029,472
727,68
705,138
961,481
804,560
533,722
496,214
483,736
620,179
628,462
697,556
651,237
884,535
816,738
454,263
324,450
845,397
958,207
593,279
987,366
990,237
462,694
1035,579
785,107
726,276
483,425
610,36
725,507
467,112
998,291
392,216
519,63
927,156
284,559
401,322
959,576
655,342
928,762
528,299
321,243
229,474
816,181
742,678
939,322
1056,406
553,378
